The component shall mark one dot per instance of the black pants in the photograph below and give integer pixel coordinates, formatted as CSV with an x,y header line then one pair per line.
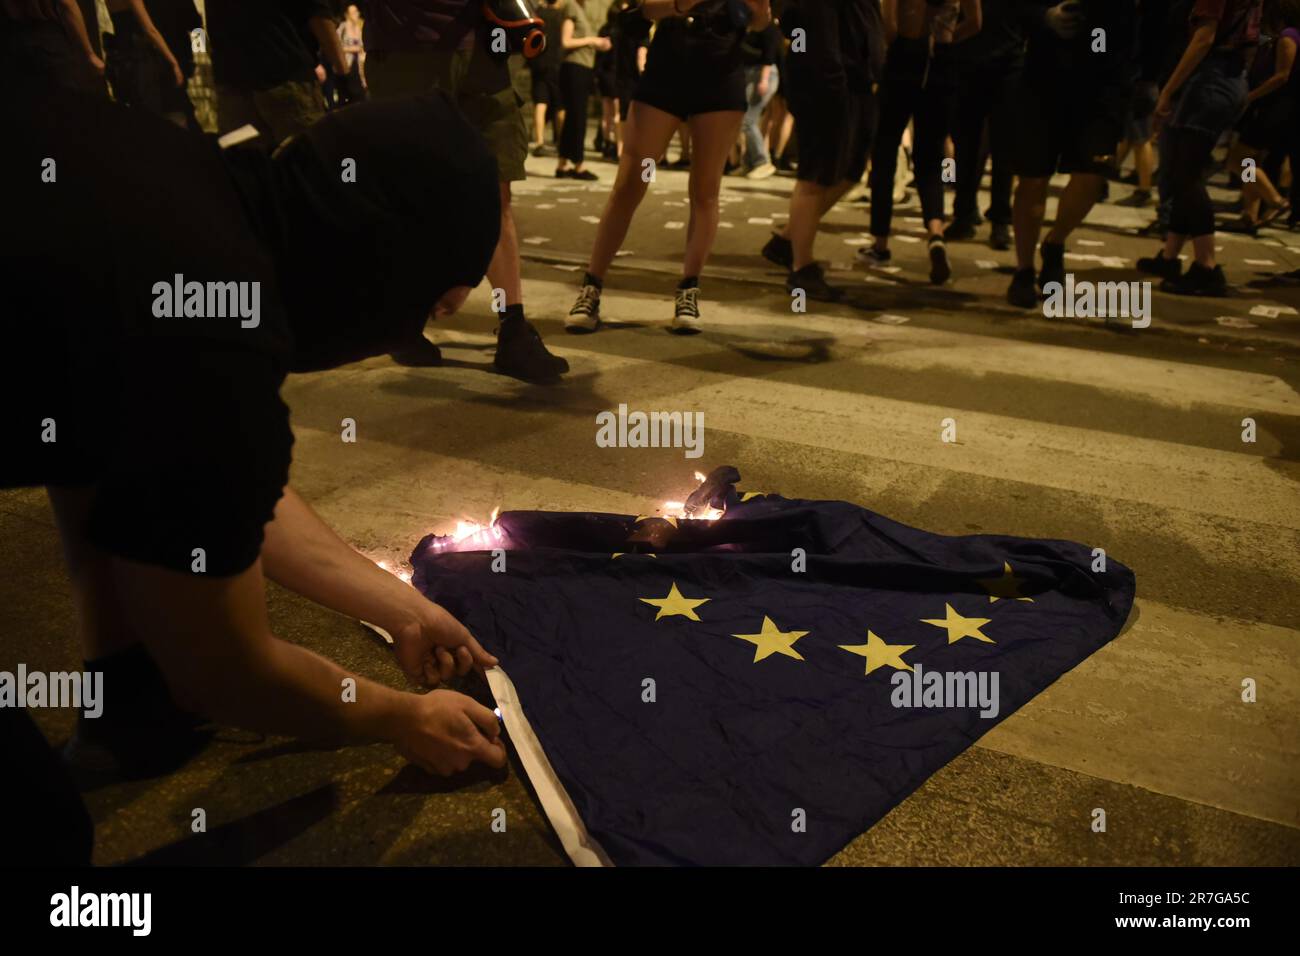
x,y
1187,153
575,88
45,821
919,88
984,93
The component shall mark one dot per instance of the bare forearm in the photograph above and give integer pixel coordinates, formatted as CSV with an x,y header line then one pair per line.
x,y
302,553
146,24
75,25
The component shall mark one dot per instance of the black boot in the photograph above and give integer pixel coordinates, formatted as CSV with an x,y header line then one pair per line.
x,y
521,353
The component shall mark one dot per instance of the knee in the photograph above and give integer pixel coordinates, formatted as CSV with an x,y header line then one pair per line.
x,y
704,201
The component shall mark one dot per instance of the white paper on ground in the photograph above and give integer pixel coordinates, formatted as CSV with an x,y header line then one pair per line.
x,y
624,252
583,850
566,199
545,205
892,319
986,263
890,269
537,240
1090,242
564,268
1259,262
1272,311
1235,322
674,224
594,220
760,220
721,225
902,237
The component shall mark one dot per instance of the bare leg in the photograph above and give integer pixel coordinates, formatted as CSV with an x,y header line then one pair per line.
x,y
711,136
1144,161
101,624
539,123
646,136
503,270
1079,197
1027,217
808,204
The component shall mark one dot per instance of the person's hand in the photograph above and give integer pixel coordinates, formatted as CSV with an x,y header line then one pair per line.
x,y
1065,19
433,646
603,44
762,88
320,74
97,65
177,76
1163,111
443,732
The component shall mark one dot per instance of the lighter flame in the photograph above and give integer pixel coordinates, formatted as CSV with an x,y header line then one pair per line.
x,y
471,534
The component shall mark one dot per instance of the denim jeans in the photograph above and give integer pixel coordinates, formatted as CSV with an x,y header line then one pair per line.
x,y
755,145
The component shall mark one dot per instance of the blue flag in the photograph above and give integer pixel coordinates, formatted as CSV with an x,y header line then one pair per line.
x,y
763,687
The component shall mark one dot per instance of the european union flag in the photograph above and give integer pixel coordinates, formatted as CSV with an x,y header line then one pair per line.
x,y
763,687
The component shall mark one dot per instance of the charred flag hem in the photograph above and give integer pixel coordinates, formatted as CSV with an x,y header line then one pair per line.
x,y
762,685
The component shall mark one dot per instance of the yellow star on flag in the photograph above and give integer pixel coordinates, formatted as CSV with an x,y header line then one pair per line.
x,y
619,554
772,640
1007,586
674,603
746,495
880,654
959,627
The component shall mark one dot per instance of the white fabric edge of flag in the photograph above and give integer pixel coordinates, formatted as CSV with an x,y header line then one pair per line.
x,y
582,849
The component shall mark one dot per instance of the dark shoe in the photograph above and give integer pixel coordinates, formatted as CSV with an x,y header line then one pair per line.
x,y
1198,280
1158,265
563,174
812,280
778,251
521,353
1000,236
1022,293
1053,268
959,230
874,256
586,175
1154,229
1243,225
421,353
940,269
1138,199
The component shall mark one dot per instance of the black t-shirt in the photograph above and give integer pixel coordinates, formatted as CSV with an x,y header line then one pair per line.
x,y
257,44
548,61
1053,59
761,48
176,422
631,32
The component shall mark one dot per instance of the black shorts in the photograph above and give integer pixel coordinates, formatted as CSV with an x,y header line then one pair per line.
x,y
546,88
1067,124
625,90
686,93
834,144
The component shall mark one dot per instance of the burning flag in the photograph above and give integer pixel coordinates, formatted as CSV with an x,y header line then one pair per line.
x,y
760,684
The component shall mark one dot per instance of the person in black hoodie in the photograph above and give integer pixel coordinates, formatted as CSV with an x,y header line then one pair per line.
x,y
829,90
161,436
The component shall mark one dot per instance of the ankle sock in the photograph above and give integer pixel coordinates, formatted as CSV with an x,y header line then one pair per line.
x,y
589,279
512,314
690,282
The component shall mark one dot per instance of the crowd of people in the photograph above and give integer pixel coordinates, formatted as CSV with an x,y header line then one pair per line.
x,y
417,98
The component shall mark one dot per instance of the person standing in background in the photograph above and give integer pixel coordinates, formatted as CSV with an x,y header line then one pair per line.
x,y
988,69
351,30
420,45
141,68
631,38
264,65
580,46
760,49
545,70
51,44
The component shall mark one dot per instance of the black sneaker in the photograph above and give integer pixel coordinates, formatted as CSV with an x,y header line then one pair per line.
x,y
1053,268
812,280
564,174
959,230
779,251
1138,199
420,353
586,175
1198,280
940,270
686,311
1154,229
521,353
1022,293
1000,236
1158,265
585,314
874,256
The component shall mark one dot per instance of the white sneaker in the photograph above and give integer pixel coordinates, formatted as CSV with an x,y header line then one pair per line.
x,y
585,314
761,171
686,312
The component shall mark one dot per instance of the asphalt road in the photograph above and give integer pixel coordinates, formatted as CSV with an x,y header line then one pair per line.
x,y
1126,439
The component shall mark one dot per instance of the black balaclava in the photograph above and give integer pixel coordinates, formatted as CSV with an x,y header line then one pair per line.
x,y
361,263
